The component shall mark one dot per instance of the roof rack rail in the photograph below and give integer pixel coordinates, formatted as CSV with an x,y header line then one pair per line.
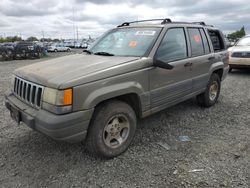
x,y
202,23
164,21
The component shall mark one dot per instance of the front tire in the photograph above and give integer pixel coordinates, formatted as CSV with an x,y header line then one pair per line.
x,y
212,92
112,129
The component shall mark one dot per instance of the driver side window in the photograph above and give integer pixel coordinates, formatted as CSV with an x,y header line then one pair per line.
x,y
173,46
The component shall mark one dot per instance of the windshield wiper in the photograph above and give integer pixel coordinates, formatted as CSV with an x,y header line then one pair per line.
x,y
104,53
87,51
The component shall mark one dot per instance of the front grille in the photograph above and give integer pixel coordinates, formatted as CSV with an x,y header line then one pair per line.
x,y
241,54
28,92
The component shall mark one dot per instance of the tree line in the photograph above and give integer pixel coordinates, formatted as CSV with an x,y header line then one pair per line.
x,y
10,39
31,39
237,34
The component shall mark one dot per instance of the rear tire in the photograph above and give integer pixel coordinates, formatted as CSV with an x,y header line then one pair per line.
x,y
112,129
212,92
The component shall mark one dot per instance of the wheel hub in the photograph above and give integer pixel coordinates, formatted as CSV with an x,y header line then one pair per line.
x,y
116,131
213,91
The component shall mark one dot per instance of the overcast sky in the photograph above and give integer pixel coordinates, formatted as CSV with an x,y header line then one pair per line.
x,y
58,17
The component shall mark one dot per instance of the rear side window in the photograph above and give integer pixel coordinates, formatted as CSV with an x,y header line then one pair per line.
x,y
205,41
173,46
195,38
217,40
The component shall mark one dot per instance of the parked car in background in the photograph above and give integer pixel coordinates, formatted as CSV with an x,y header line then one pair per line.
x,y
6,51
78,45
21,49
239,54
232,42
58,48
27,50
85,45
228,43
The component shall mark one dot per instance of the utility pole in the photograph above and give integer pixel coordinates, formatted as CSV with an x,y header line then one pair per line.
x,y
77,33
43,36
74,28
20,35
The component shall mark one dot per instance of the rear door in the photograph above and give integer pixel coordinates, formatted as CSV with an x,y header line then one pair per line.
x,y
201,57
170,86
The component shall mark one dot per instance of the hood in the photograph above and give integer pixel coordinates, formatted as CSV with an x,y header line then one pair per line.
x,y
56,72
239,49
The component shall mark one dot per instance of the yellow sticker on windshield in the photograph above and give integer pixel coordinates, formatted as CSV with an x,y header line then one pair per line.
x,y
133,44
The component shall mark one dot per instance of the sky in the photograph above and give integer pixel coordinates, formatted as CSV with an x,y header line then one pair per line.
x,y
61,18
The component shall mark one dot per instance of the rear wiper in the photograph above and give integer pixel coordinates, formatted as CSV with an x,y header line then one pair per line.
x,y
104,53
87,51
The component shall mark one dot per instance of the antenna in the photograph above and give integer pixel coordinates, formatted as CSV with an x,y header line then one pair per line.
x,y
77,33
74,25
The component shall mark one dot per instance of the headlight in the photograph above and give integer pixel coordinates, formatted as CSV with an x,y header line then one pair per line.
x,y
57,101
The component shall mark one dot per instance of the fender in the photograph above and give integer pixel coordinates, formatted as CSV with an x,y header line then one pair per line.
x,y
108,92
216,66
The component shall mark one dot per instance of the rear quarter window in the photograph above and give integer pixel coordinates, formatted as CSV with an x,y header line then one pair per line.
x,y
217,40
205,41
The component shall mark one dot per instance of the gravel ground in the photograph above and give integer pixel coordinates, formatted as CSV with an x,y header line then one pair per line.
x,y
216,152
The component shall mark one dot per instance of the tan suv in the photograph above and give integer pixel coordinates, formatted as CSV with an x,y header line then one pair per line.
x,y
131,72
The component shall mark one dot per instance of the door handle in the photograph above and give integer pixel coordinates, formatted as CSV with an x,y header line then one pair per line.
x,y
211,58
189,64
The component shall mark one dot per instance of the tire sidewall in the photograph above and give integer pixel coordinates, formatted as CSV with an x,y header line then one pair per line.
x,y
101,120
213,78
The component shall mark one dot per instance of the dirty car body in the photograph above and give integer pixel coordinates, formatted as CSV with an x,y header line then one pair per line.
x,y
59,97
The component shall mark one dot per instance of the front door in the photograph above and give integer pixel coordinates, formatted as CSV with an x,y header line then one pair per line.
x,y
170,86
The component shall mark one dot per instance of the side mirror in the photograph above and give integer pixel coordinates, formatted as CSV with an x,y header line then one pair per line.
x,y
163,65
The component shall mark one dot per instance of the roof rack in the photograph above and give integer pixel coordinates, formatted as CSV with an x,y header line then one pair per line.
x,y
164,21
202,23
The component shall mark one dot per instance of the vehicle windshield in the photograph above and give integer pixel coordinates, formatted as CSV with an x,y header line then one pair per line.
x,y
126,42
244,42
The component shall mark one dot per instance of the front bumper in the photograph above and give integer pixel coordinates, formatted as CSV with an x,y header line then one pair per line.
x,y
239,62
69,127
